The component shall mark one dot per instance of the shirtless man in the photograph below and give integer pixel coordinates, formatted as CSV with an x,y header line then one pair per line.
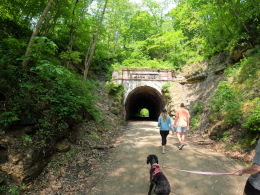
x,y
182,121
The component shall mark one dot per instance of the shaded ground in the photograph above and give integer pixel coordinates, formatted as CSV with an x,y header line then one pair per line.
x,y
71,172
125,170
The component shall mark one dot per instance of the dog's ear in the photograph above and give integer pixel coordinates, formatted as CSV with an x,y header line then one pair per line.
x,y
148,159
156,159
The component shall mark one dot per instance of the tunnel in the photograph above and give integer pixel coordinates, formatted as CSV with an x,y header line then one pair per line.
x,y
144,97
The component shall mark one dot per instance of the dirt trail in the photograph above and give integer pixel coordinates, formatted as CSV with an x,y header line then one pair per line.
x,y
126,173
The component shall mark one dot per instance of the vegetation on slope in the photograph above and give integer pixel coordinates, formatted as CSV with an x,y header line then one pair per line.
x,y
48,90
104,35
234,105
237,99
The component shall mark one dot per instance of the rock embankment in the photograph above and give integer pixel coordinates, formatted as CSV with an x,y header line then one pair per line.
x,y
194,85
197,81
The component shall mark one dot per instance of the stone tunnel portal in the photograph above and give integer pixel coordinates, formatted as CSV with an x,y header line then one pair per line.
x,y
144,97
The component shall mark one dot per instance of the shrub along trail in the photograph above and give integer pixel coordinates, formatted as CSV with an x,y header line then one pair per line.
x,y
125,171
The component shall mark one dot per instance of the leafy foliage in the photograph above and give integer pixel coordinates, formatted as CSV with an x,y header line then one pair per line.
x,y
144,112
166,86
14,190
114,89
198,108
51,90
27,138
226,136
138,35
132,35
249,66
196,111
194,122
239,98
253,121
75,56
225,102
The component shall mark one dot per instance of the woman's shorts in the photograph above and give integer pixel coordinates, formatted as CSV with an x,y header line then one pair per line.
x,y
250,190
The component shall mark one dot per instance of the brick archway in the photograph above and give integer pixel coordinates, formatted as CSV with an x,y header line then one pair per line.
x,y
142,89
144,97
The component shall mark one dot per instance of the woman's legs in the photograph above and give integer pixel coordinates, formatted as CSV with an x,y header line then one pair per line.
x,y
164,134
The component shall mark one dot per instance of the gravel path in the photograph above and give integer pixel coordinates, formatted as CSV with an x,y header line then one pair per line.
x,y
125,172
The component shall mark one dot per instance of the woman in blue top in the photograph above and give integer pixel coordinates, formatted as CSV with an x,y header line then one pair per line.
x,y
163,122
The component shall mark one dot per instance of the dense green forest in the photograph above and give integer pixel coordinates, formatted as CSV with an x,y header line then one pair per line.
x,y
51,49
55,54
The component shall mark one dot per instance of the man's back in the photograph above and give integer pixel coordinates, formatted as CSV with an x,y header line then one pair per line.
x,y
183,116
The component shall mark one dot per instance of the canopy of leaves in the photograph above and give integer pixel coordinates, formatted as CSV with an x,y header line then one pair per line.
x,y
141,35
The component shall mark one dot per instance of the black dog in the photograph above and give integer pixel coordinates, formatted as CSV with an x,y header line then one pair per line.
x,y
157,177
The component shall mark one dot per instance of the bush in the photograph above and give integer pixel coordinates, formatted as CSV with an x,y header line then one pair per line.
x,y
54,92
197,112
253,122
166,86
224,101
114,89
74,55
194,122
230,101
249,69
51,91
198,108
249,66
11,49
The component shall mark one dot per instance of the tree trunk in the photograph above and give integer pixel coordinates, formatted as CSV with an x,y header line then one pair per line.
x,y
109,36
89,46
206,36
74,36
47,22
53,23
155,19
116,37
224,20
94,45
35,33
73,13
202,30
71,31
236,15
26,5
115,42
90,43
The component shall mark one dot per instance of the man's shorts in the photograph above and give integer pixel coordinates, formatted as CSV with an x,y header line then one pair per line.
x,y
250,190
181,129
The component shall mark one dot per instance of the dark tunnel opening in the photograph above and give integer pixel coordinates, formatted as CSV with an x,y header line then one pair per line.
x,y
144,97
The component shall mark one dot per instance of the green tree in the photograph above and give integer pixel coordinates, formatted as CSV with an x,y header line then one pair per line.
x,y
144,112
35,33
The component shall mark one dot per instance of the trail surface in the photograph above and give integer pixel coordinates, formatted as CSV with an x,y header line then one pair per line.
x,y
126,172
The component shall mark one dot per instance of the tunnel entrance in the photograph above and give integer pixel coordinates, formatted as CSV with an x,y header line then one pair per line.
x,y
144,97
